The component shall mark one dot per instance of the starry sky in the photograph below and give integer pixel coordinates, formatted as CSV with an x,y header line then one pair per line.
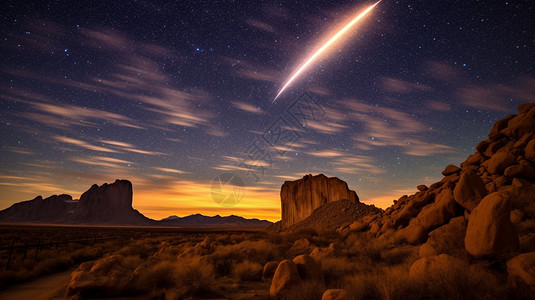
x,y
177,96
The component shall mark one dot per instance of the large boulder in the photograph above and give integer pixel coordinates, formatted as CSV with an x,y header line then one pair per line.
x,y
438,213
469,190
447,239
499,162
522,124
301,197
286,276
490,233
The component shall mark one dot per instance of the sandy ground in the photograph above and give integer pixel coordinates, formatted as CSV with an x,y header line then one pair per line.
x,y
48,287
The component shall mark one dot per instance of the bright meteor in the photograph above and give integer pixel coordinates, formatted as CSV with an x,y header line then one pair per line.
x,y
325,46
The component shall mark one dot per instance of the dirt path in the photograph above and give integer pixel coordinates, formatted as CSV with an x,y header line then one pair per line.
x,y
48,287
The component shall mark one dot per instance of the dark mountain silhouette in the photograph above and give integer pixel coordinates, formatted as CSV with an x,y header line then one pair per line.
x,y
198,220
109,204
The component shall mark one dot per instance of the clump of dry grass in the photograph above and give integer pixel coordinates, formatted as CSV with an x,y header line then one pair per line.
x,y
248,271
306,290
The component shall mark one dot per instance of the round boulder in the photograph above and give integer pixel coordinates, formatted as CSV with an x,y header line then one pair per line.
x,y
490,232
286,276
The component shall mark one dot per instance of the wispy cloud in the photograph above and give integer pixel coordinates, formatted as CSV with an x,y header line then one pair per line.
x,y
326,153
82,144
101,161
400,86
247,107
387,127
129,147
168,170
260,25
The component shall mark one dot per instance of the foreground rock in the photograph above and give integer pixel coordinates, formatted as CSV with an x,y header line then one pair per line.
x,y
490,232
286,276
335,294
301,197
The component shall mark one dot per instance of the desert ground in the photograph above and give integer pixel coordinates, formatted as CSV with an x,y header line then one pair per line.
x,y
170,263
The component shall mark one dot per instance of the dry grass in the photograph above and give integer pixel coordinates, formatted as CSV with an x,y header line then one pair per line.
x,y
170,267
248,271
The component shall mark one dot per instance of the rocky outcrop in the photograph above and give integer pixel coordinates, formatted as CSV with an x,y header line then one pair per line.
x,y
108,203
301,197
50,210
485,208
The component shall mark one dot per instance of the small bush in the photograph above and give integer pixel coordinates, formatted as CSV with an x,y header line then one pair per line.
x,y
194,277
248,271
306,290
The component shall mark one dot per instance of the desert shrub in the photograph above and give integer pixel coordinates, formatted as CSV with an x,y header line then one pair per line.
x,y
336,268
248,271
225,257
399,255
160,276
194,277
461,281
142,249
131,262
86,254
52,265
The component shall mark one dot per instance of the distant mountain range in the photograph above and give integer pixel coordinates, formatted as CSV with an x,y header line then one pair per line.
x,y
109,204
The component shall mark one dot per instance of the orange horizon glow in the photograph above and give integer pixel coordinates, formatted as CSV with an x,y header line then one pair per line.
x,y
324,47
177,197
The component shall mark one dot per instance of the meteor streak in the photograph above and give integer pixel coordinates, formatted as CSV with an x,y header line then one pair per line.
x,y
325,46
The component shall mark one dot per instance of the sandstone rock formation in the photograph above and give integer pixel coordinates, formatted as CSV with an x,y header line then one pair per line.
x,y
108,203
301,197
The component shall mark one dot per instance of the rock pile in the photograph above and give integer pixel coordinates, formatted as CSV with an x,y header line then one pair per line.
x,y
484,209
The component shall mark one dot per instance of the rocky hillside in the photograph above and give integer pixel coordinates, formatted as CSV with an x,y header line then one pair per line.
x,y
301,197
332,215
485,207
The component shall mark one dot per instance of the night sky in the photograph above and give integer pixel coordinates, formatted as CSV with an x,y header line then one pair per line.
x,y
172,94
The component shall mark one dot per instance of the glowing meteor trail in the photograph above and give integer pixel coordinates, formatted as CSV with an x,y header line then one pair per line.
x,y
325,46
